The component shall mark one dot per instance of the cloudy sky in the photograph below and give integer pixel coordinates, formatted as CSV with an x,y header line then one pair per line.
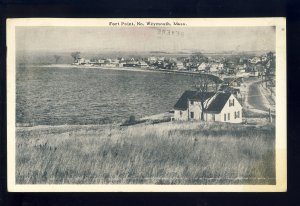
x,y
213,39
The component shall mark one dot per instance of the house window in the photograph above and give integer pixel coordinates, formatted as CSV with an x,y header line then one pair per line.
x,y
224,117
192,115
235,116
228,116
231,102
192,102
238,114
180,113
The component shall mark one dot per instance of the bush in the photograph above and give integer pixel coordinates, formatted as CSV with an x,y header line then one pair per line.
x,y
131,119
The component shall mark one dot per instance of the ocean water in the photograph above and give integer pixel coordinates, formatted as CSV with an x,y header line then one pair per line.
x,y
76,96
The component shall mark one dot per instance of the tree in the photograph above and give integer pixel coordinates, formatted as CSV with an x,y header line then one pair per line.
x,y
270,55
75,55
198,57
57,58
204,84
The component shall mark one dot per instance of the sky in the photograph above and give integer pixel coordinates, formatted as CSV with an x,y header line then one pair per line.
x,y
211,39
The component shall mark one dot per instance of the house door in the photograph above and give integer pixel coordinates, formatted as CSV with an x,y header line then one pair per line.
x,y
213,117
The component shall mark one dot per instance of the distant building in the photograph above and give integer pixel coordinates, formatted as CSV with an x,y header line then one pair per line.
x,y
161,58
179,65
101,61
241,68
79,61
121,59
254,60
152,59
131,64
219,107
202,66
215,67
143,64
233,90
236,82
264,58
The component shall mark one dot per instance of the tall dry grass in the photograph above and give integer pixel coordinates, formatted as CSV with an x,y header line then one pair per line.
x,y
167,153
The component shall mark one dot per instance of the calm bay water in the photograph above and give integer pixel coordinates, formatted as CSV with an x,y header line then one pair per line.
x,y
57,96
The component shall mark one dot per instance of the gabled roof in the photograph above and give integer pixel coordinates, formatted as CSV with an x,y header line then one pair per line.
x,y
218,102
215,106
193,95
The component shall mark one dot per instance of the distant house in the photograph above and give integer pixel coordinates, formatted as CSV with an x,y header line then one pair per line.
x,y
179,65
241,68
236,82
79,61
121,59
260,69
131,64
219,107
115,61
264,58
254,60
233,90
161,58
101,61
202,66
254,73
152,59
215,67
143,64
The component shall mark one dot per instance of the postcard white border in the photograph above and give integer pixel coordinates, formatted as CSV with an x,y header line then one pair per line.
x,y
281,118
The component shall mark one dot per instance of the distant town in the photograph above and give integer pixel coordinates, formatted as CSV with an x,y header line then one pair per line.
x,y
237,65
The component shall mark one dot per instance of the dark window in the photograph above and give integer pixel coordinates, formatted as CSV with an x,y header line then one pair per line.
x,y
224,117
192,102
238,114
235,115
233,102
192,115
228,116
180,113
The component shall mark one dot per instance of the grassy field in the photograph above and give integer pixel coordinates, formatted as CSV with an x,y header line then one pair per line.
x,y
166,153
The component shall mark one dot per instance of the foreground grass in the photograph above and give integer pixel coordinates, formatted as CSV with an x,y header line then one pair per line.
x,y
167,153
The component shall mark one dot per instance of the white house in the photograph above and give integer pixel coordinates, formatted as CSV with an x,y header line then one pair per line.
x,y
101,61
79,61
241,68
214,67
254,60
143,64
152,59
179,65
219,107
202,66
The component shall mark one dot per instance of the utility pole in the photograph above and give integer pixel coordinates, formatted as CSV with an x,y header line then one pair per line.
x,y
270,116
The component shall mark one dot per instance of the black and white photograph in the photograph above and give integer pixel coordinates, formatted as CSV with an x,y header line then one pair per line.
x,y
146,105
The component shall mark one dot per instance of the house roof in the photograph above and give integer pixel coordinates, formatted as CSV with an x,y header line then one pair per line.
x,y
215,106
181,104
218,102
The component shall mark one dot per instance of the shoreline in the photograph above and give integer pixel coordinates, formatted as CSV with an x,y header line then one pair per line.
x,y
149,118
69,66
